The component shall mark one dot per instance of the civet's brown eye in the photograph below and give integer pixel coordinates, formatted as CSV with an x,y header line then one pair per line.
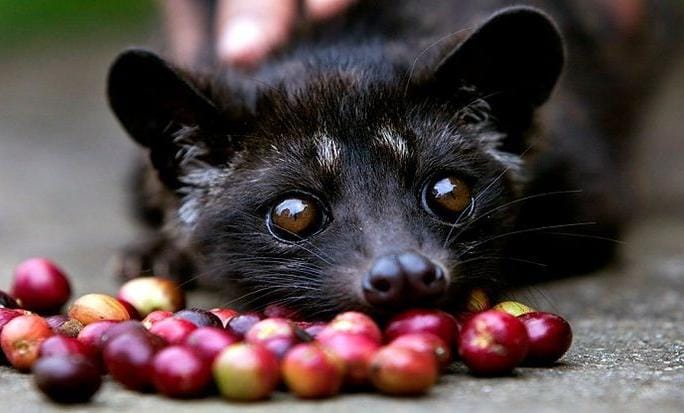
x,y
295,218
447,197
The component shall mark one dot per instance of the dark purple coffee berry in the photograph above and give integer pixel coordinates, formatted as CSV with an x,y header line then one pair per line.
x,y
67,379
200,318
242,323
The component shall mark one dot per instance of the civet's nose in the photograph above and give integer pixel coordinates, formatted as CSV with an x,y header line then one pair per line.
x,y
403,279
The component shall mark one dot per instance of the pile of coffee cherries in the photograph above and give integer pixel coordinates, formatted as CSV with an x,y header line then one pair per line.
x,y
146,340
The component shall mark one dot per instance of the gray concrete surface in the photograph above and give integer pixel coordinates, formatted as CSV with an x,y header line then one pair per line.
x,y
63,161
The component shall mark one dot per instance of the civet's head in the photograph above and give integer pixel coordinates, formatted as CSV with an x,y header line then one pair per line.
x,y
349,189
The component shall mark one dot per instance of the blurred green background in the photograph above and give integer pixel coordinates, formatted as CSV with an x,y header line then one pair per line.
x,y
32,21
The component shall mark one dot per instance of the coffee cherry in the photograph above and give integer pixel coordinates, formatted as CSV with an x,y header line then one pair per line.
x,y
241,323
550,337
513,308
426,343
21,338
353,322
65,346
173,330
91,335
128,358
67,379
65,326
401,371
6,315
246,372
280,311
478,301
98,307
132,311
120,328
148,294
155,316
356,351
311,328
123,327
276,334
224,314
179,372
312,372
199,317
209,342
435,322
492,343
40,286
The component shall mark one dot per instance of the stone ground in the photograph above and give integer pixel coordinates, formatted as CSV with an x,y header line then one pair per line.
x,y
63,163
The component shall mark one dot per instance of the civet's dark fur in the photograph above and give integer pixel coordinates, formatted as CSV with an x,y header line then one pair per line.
x,y
459,87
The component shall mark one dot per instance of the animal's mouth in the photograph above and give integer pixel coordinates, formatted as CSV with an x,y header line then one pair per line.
x,y
444,287
472,301
463,302
458,294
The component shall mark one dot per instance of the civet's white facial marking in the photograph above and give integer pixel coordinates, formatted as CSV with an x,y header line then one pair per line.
x,y
327,152
392,141
492,142
189,211
200,184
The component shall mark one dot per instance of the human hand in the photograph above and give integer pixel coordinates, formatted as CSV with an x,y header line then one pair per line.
x,y
246,31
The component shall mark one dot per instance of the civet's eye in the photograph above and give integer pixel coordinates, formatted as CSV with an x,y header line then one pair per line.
x,y
294,218
447,197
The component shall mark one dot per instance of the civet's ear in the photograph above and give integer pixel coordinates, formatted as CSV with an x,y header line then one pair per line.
x,y
518,52
161,110
150,97
512,63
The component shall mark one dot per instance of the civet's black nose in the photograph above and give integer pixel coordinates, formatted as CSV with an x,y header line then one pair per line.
x,y
403,279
